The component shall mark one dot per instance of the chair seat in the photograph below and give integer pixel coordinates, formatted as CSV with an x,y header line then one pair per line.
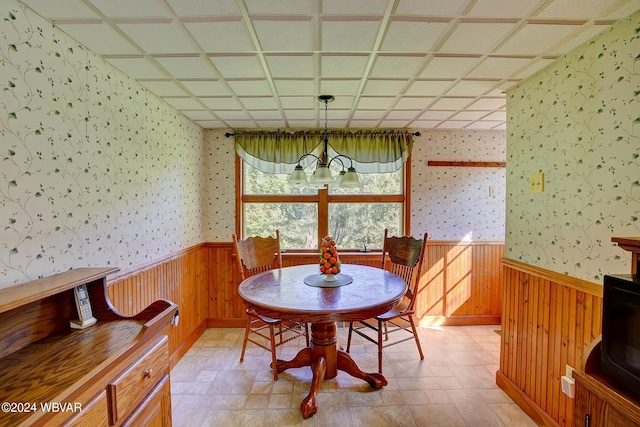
x,y
397,311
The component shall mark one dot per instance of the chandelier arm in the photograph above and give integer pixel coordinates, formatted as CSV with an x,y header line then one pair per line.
x,y
308,154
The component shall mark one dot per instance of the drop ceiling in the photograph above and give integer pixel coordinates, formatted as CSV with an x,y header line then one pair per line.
x,y
389,63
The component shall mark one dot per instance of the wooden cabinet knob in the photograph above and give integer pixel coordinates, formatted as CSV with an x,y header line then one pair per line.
x,y
148,373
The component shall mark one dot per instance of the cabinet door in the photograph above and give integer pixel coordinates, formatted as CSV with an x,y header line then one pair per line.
x,y
155,409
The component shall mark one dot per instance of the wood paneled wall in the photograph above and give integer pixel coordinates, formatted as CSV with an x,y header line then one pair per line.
x,y
548,321
461,284
180,278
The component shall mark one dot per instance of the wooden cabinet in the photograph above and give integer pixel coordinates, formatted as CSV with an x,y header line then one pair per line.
x,y
112,373
598,402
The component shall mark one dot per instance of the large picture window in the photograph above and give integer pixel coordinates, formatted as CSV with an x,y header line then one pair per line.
x,y
354,217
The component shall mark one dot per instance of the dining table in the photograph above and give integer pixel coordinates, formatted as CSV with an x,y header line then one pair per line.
x,y
300,293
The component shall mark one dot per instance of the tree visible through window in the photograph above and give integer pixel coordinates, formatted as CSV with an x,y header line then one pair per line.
x,y
355,218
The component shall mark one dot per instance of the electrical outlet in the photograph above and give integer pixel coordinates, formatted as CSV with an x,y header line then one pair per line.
x,y
536,183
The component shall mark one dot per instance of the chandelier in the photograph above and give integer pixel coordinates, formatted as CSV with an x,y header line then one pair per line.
x,y
322,175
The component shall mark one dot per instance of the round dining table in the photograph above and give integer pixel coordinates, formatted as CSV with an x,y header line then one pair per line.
x,y
300,294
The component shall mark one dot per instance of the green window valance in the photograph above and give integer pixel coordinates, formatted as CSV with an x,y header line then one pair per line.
x,y
279,151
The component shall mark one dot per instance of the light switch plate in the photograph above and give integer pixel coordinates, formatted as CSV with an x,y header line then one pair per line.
x,y
536,183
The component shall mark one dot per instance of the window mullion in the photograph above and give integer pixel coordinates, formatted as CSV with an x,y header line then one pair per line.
x,y
323,213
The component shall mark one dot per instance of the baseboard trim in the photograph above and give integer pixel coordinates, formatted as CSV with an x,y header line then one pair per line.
x,y
227,323
535,412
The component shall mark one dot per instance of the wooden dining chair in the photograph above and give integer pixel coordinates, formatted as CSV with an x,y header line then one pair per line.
x,y
406,255
256,255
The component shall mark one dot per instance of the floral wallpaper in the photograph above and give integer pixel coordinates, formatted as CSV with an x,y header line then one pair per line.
x,y
578,122
95,171
220,177
458,203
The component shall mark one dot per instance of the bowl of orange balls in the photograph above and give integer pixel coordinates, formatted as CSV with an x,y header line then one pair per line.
x,y
329,259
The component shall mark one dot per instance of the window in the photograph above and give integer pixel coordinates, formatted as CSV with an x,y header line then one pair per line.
x,y
355,218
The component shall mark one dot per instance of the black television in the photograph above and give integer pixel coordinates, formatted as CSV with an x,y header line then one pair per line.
x,y
620,348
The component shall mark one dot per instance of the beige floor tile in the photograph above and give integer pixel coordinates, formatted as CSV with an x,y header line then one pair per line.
x,y
453,386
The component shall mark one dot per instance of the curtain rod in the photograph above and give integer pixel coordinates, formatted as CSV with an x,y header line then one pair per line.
x,y
230,134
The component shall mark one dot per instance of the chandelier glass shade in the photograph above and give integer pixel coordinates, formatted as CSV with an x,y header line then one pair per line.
x,y
322,175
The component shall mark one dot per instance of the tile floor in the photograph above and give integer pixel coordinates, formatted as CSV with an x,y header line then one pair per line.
x,y
453,386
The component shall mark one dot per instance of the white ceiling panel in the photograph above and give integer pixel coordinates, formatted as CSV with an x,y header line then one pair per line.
x,y
238,66
533,38
343,66
411,36
476,38
431,7
60,9
349,36
389,63
138,68
221,36
99,38
295,36
396,66
187,67
291,65
129,9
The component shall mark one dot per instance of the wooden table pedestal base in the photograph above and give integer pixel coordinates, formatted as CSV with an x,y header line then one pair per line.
x,y
325,358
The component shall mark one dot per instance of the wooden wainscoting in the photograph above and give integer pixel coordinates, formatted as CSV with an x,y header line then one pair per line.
x,y
181,278
548,320
461,282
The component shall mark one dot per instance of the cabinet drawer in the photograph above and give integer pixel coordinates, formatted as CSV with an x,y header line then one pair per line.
x,y
94,414
128,389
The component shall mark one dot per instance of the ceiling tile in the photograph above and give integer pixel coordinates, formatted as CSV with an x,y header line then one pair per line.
x,y
435,115
137,68
533,68
502,9
164,88
384,87
411,36
349,36
396,66
281,7
499,116
369,114
221,37
339,87
451,103
300,114
99,38
575,8
431,7
469,115
183,103
425,124
363,124
159,38
354,7
294,87
471,87
298,102
240,124
577,39
375,103
533,38
284,36
233,115
130,9
64,9
207,8
428,87
260,115
483,124
282,66
488,104
303,124
447,67
206,87
403,114
250,87
187,67
420,103
261,103
221,103
210,124
343,66
238,66
394,124
493,67
475,38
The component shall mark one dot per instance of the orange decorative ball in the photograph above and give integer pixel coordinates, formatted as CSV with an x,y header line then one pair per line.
x,y
329,259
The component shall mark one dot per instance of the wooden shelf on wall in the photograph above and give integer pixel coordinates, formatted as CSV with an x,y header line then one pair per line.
x,y
468,164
